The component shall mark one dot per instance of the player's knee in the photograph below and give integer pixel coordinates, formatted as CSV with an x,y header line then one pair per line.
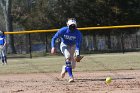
x,y
68,59
67,56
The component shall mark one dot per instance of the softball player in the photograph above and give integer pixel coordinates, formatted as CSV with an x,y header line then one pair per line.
x,y
3,48
71,39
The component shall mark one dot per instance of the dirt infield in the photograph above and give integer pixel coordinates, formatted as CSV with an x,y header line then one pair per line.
x,y
126,81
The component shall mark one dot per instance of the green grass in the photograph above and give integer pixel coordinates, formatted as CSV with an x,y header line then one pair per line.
x,y
94,62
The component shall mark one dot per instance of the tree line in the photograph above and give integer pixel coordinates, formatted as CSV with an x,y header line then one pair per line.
x,y
48,14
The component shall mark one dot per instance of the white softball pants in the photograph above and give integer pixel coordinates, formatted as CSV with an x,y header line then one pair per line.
x,y
68,52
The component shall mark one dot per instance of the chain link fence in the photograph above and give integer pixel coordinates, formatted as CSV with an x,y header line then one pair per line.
x,y
96,41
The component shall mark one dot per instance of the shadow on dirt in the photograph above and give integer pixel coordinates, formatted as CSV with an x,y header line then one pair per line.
x,y
85,80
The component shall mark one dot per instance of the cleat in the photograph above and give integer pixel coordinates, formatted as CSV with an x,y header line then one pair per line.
x,y
63,71
71,80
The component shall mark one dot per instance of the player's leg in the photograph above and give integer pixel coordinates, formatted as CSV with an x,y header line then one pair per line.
x,y
68,68
1,55
63,72
72,51
4,58
73,63
62,48
4,55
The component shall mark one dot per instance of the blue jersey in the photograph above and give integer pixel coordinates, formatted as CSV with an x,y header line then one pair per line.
x,y
2,39
68,37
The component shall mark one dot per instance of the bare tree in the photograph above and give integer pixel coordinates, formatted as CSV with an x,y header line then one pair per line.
x,y
6,7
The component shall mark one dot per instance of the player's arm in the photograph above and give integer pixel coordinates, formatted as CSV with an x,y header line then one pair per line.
x,y
78,44
57,35
53,50
4,38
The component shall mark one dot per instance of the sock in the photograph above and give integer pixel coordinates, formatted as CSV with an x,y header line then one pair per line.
x,y
69,69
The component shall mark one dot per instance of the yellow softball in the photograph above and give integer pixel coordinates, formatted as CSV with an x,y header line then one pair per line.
x,y
108,80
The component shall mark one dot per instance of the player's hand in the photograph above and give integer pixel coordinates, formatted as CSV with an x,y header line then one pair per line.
x,y
53,50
